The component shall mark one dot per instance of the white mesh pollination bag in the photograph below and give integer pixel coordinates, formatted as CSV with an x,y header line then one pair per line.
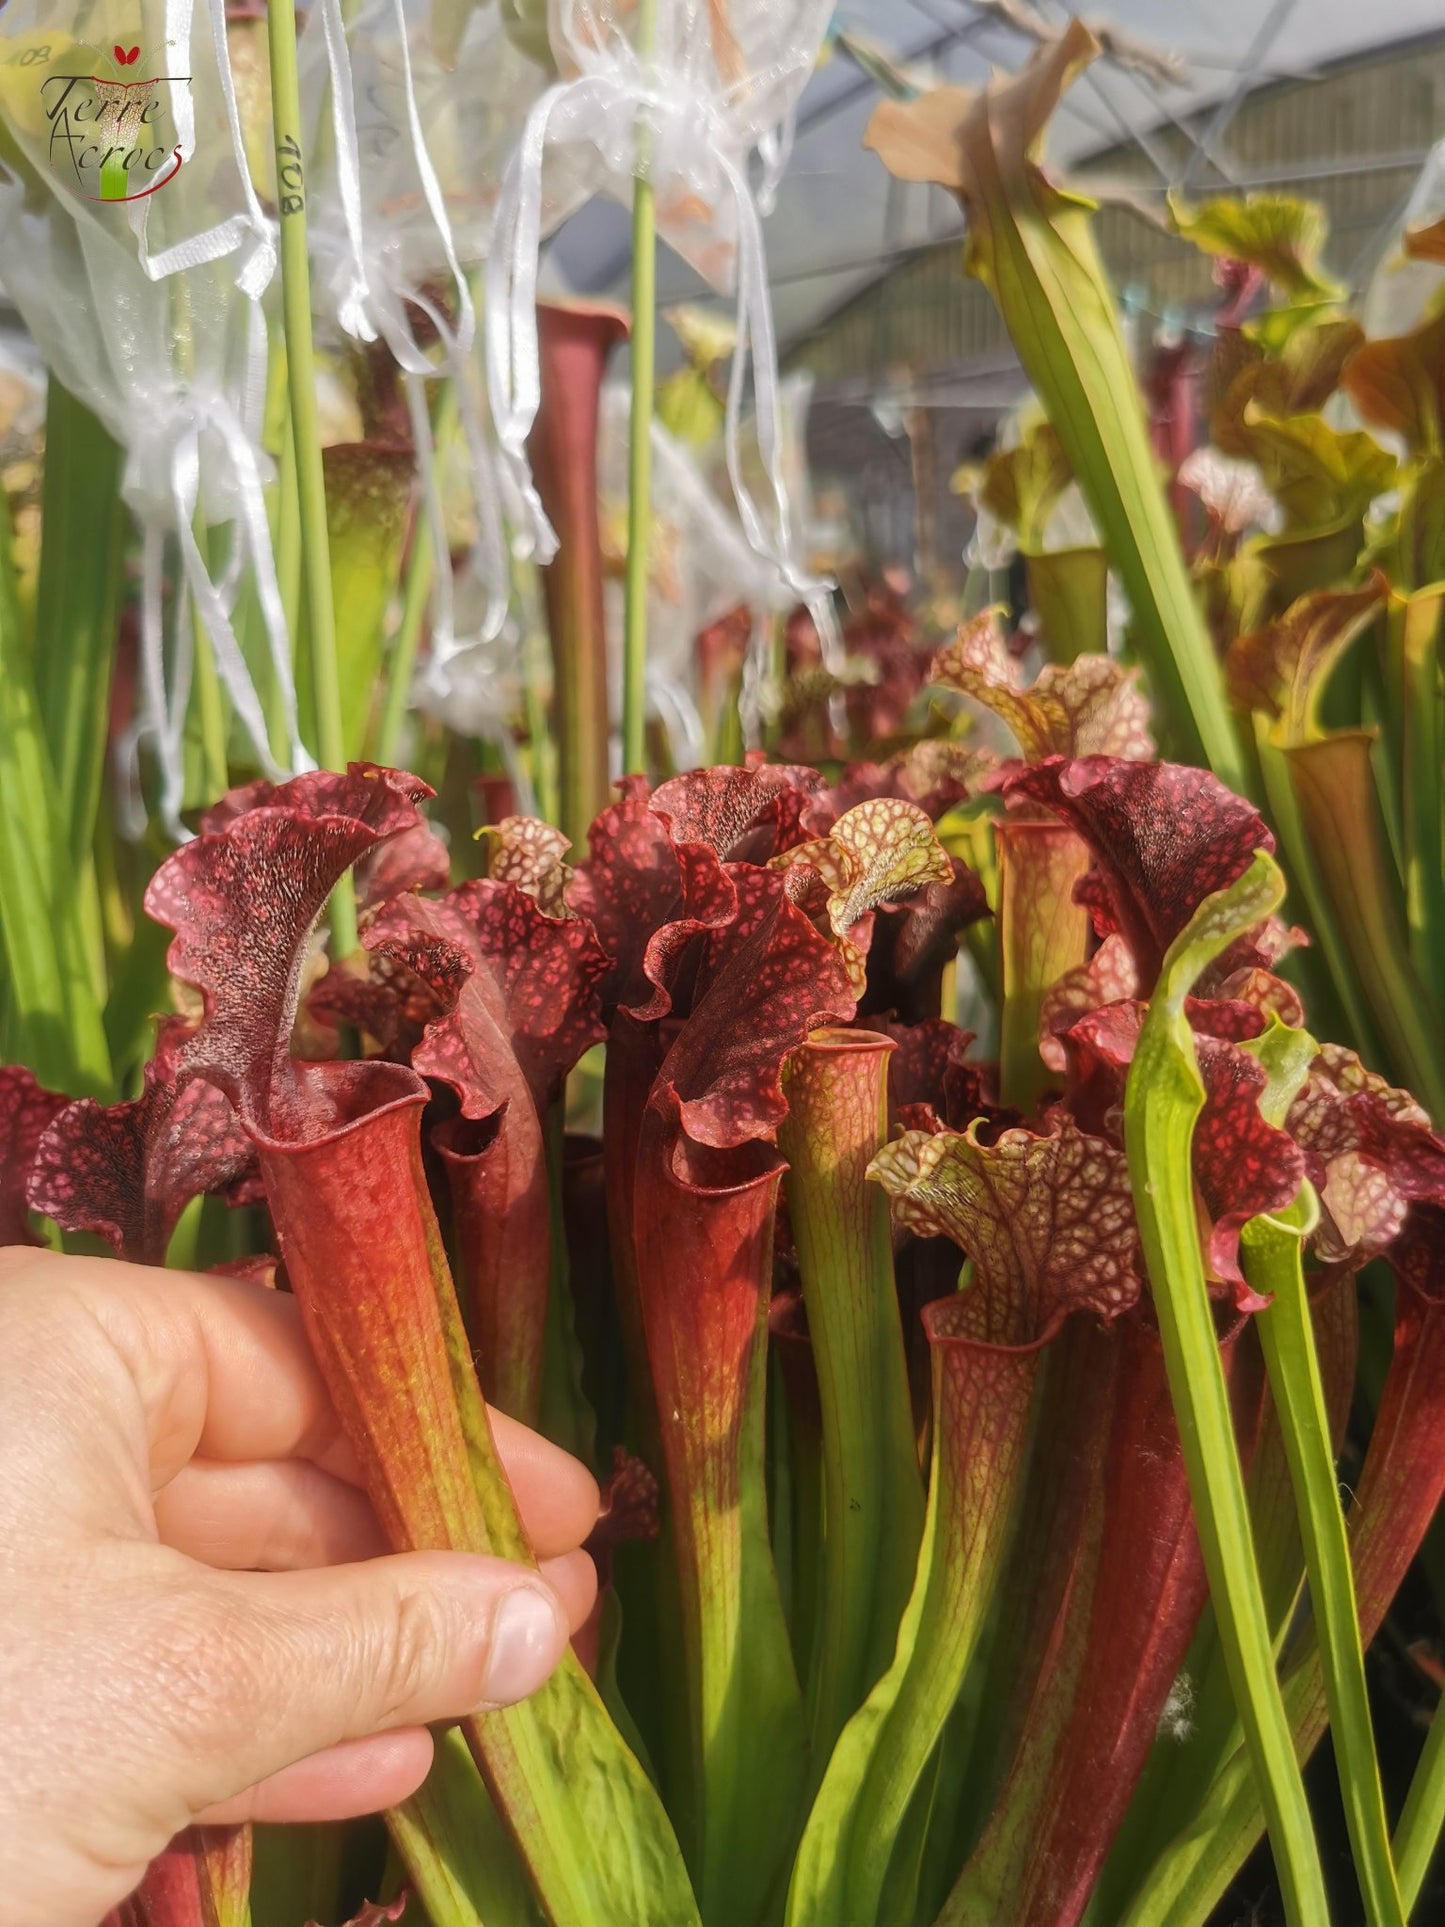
x,y
721,80
701,567
135,249
127,114
411,128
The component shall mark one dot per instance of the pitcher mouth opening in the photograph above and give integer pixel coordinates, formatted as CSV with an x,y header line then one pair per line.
x,y
322,1101
720,1172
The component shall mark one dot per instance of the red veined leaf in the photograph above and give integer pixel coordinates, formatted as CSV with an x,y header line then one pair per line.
x,y
127,1171
1047,1219
201,1880
525,1011
405,987
26,1109
931,1067
632,885
243,902
913,940
538,975
1049,1226
1262,947
703,1231
695,1261
1097,1050
1108,977
657,878
933,1086
721,1079
936,774
1234,1019
1373,1156
530,853
877,853
236,802
413,858
741,815
1243,1166
1164,837
1259,991
1091,706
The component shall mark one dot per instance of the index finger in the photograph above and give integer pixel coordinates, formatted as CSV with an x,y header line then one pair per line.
x,y
224,1372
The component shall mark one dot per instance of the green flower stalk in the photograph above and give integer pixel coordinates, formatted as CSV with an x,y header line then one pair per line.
x,y
306,423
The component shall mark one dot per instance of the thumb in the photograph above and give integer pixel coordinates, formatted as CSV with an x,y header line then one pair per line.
x,y
279,1666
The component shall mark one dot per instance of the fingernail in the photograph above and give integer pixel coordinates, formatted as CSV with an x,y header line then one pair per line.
x,y
527,1641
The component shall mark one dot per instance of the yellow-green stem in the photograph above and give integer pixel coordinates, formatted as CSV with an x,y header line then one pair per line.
x,y
1418,1833
285,539
305,422
210,718
207,696
416,593
420,569
639,447
288,579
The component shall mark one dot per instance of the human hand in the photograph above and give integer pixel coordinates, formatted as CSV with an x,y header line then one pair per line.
x,y
196,1619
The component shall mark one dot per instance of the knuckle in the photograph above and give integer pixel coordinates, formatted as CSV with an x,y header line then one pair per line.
x,y
208,1662
415,1637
